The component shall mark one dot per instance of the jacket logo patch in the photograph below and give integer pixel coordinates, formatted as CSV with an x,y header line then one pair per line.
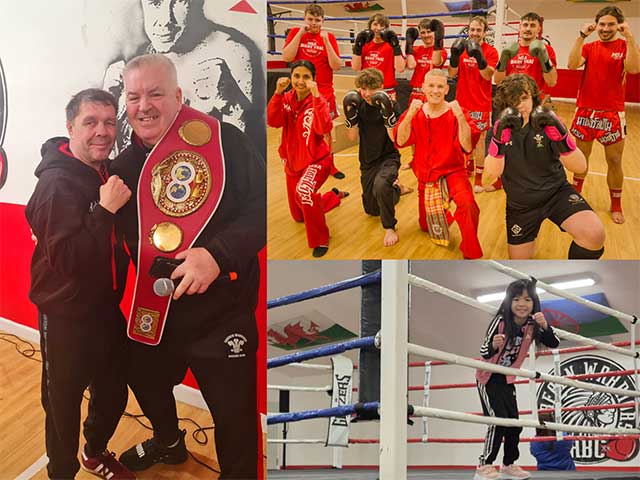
x,y
236,343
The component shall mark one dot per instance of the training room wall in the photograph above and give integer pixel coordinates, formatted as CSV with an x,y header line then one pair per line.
x,y
441,323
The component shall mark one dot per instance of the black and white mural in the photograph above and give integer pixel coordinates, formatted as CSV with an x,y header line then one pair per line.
x,y
51,50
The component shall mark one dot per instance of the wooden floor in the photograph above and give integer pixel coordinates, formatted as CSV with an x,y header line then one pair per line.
x,y
354,235
22,426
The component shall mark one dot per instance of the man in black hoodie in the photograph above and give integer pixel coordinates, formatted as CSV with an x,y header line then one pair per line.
x,y
74,285
211,324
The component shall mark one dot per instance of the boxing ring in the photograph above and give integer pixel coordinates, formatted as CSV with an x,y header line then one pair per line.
x,y
282,13
394,406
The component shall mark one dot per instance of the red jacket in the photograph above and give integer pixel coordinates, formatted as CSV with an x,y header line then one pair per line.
x,y
304,124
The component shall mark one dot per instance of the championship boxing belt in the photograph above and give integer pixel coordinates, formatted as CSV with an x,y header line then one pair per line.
x,y
436,200
179,190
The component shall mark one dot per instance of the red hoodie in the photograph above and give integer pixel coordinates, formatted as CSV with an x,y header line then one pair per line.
x,y
304,124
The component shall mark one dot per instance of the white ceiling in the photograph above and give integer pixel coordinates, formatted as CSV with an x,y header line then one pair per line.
x,y
437,321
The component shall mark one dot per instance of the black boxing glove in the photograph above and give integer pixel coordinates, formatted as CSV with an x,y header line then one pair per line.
x,y
391,38
554,129
437,28
475,51
363,37
350,104
411,36
383,102
457,48
509,119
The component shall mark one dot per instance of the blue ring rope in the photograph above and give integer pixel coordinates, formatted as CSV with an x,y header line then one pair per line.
x,y
390,17
350,39
324,351
341,411
369,278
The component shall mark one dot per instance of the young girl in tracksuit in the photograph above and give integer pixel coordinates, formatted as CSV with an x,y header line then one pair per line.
x,y
517,323
304,117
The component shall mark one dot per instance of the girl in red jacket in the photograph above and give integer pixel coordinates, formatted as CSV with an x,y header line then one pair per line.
x,y
303,115
518,322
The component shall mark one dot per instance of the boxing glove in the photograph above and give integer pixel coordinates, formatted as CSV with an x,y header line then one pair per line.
x,y
538,49
456,50
554,129
507,54
383,102
475,51
437,28
363,37
350,105
411,36
391,38
509,119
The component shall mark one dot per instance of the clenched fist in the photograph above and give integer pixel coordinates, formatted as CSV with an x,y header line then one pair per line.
x,y
114,194
282,84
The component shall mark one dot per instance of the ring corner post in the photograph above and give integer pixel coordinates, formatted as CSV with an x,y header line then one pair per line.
x,y
393,377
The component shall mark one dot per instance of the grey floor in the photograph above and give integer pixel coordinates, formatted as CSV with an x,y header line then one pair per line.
x,y
349,474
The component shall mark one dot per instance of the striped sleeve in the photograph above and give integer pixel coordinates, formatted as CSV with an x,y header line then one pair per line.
x,y
486,349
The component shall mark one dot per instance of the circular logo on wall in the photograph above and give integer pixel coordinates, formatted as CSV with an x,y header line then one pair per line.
x,y
595,451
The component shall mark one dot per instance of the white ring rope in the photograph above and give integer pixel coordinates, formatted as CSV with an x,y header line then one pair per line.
x,y
310,366
296,388
520,372
435,288
512,422
512,272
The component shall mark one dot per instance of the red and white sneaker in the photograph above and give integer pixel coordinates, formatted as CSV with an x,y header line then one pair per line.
x,y
486,472
513,472
105,465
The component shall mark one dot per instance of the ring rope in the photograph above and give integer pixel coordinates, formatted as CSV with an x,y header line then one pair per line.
x,y
368,279
480,365
341,411
420,411
512,272
323,351
391,17
435,288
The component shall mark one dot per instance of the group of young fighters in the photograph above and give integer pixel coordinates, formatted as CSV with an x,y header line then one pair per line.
x,y
529,147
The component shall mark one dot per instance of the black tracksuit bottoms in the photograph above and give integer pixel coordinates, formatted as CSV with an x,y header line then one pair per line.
x,y
228,385
498,399
78,353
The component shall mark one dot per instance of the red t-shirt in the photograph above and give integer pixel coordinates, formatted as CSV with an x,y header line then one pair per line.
x,y
473,92
438,150
312,48
603,78
526,63
380,56
423,57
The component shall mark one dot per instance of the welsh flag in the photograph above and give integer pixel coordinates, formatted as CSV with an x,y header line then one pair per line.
x,y
301,332
577,318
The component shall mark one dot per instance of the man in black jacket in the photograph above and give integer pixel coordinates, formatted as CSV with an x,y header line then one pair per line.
x,y
211,329
74,285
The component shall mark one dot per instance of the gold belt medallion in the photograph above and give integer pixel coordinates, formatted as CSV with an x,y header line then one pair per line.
x,y
181,183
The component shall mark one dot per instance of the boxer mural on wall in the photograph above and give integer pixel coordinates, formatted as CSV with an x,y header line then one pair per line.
x,y
219,68
591,452
3,126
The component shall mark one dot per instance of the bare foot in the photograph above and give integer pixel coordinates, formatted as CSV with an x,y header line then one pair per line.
x,y
390,237
405,166
403,188
617,217
478,188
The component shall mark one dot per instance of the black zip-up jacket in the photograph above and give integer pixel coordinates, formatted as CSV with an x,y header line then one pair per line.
x,y
234,236
72,265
